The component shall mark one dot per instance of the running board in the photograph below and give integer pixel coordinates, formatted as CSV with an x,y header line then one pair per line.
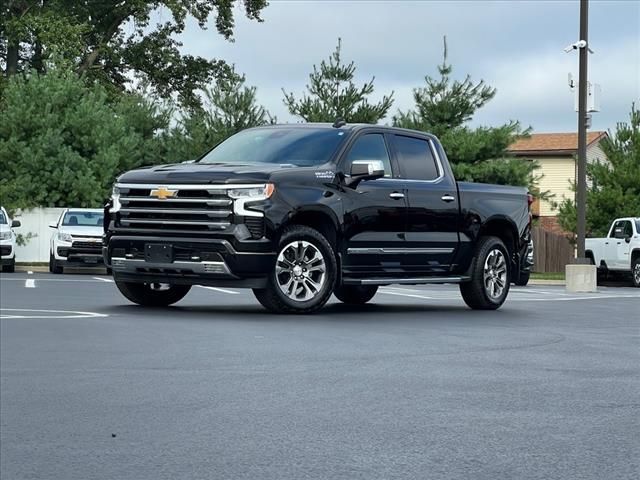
x,y
403,280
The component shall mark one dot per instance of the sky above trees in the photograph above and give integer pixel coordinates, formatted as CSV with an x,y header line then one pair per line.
x,y
515,46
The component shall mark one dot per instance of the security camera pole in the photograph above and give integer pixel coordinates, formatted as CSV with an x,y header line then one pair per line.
x,y
581,196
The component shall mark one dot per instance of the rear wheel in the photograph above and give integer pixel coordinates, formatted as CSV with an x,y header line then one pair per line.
x,y
153,294
355,294
53,265
490,276
304,275
635,272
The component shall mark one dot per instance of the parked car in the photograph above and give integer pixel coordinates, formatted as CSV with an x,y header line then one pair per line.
x,y
7,241
619,251
298,212
77,240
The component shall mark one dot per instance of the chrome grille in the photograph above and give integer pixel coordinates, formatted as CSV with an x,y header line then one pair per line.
x,y
189,208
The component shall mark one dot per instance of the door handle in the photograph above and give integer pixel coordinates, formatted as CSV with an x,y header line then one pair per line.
x,y
448,198
396,195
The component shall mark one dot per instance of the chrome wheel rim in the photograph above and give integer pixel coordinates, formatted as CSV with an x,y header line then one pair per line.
x,y
495,273
300,271
636,273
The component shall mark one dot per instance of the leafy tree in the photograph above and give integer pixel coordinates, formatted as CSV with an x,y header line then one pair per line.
x,y
111,40
445,106
614,187
332,94
229,106
62,142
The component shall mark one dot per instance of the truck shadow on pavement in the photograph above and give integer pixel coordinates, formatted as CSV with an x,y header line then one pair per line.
x,y
334,311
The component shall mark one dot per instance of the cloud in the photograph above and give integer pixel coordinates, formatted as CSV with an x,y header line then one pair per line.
x,y
514,46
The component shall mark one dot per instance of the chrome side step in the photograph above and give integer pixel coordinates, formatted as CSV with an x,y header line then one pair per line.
x,y
403,280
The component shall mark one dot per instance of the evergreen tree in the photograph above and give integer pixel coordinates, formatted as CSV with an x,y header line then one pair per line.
x,y
614,186
63,142
228,107
332,94
444,107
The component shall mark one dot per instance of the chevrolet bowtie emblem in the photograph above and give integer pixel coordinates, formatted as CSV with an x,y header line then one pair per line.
x,y
162,193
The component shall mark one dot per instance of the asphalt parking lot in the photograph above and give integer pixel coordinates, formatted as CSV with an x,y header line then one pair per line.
x,y
414,385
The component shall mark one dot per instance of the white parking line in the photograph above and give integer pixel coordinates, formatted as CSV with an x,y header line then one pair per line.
x,y
30,283
221,290
412,295
104,279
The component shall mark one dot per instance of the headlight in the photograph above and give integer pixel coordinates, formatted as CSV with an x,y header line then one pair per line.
x,y
5,235
257,192
65,237
115,199
244,195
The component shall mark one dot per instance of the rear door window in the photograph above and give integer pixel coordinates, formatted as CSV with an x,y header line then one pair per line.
x,y
415,158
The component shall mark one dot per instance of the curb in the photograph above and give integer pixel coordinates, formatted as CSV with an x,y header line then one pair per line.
x,y
547,282
31,268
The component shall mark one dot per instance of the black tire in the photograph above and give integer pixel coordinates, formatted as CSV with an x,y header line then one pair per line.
x,y
475,293
143,293
274,299
355,294
10,268
53,265
523,279
635,272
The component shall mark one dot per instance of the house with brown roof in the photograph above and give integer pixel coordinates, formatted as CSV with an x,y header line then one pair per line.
x,y
556,154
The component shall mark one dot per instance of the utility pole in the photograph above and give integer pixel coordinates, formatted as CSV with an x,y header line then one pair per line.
x,y
581,194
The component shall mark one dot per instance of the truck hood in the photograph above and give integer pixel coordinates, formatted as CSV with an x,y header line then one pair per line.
x,y
78,231
203,173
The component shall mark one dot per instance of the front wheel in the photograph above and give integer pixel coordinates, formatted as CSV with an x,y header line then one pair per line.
x,y
153,294
490,276
355,294
304,274
10,268
53,265
523,279
635,272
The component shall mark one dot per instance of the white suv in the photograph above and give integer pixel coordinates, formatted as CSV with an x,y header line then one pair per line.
x,y
77,240
7,242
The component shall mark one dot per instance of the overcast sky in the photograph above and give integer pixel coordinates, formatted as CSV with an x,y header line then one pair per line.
x,y
516,46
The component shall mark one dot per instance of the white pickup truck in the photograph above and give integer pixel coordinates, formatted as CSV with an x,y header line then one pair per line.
x,y
620,251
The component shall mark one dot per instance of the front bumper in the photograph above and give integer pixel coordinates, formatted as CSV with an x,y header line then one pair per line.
x,y
68,255
203,261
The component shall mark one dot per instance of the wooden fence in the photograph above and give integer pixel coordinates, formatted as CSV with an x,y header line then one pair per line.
x,y
552,252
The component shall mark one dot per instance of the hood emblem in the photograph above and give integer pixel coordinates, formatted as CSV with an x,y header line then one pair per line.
x,y
162,193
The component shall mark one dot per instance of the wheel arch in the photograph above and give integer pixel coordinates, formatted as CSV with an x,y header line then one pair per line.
x,y
320,218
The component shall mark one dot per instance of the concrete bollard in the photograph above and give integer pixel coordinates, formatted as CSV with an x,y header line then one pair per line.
x,y
581,278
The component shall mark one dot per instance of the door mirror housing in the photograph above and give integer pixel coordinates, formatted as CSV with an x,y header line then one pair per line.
x,y
365,170
53,225
15,224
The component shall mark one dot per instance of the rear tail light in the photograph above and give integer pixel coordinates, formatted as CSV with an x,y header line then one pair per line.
x,y
529,199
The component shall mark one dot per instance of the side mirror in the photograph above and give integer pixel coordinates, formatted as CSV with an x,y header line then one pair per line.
x,y
16,224
53,225
366,170
627,239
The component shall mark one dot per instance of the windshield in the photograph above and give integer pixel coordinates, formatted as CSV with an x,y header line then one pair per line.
x,y
297,146
3,219
83,219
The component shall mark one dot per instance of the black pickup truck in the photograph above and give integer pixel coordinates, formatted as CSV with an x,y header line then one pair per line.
x,y
300,212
